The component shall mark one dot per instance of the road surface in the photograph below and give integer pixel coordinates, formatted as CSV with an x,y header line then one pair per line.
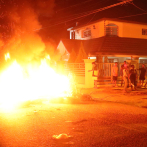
x,y
84,125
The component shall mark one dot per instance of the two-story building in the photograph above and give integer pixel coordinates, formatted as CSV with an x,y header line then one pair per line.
x,y
112,39
109,27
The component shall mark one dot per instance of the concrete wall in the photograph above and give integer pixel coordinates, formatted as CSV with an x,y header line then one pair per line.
x,y
62,51
80,79
119,24
61,48
120,59
130,30
133,30
89,79
97,30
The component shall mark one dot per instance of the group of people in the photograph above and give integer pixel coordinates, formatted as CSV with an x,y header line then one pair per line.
x,y
129,75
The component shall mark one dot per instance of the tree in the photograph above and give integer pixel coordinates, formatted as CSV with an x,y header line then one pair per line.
x,y
81,54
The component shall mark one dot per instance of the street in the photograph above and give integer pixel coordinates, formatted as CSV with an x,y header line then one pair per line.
x,y
86,125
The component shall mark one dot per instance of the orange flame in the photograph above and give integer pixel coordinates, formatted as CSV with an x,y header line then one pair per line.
x,y
7,56
18,84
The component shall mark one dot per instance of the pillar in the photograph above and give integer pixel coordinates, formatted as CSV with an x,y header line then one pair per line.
x,y
89,79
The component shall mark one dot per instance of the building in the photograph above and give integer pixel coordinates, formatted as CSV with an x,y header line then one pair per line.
x,y
109,27
111,40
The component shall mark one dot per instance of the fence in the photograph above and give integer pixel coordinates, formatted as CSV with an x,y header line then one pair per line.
x,y
78,69
103,71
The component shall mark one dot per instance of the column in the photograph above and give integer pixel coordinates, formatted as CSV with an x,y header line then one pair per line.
x,y
89,79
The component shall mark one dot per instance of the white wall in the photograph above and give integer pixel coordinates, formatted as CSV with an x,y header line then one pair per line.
x,y
125,29
97,30
134,30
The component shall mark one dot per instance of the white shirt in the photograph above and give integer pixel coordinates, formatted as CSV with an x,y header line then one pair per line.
x,y
115,71
125,73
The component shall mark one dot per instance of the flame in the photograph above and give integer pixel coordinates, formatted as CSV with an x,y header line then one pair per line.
x,y
48,57
7,56
19,84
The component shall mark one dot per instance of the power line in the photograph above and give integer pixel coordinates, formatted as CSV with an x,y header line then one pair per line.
x,y
94,15
88,13
94,4
133,15
100,9
89,6
74,5
91,18
99,2
51,31
138,7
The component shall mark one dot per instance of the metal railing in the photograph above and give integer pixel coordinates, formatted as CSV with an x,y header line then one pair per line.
x,y
104,69
78,69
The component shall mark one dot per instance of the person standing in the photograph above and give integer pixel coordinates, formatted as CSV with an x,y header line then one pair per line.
x,y
115,73
142,74
125,78
125,64
94,67
133,76
121,74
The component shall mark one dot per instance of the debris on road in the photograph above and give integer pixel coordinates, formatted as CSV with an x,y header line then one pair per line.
x,y
62,136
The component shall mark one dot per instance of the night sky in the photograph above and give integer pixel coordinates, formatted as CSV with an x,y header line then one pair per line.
x,y
51,18
66,12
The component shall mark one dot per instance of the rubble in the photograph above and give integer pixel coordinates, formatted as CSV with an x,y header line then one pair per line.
x,y
62,136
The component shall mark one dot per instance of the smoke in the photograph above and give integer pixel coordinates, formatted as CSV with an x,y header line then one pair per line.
x,y
18,35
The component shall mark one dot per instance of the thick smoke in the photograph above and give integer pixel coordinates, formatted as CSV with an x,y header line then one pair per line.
x,y
18,29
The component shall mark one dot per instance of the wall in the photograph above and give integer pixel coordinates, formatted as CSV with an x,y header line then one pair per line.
x,y
124,30
62,51
61,48
120,59
97,30
119,24
134,30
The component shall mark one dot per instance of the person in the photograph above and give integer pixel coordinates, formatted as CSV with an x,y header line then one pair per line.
x,y
142,74
93,67
132,77
125,64
115,73
121,74
125,78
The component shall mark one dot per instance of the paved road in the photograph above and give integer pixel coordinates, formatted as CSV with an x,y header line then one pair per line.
x,y
87,125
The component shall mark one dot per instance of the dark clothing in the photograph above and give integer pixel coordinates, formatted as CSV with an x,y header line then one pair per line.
x,y
142,74
121,72
141,78
94,66
114,78
133,74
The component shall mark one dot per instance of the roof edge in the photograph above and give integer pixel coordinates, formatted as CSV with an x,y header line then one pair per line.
x,y
112,19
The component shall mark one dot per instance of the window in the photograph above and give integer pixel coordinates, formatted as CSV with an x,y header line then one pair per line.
x,y
143,61
110,60
111,29
144,31
87,33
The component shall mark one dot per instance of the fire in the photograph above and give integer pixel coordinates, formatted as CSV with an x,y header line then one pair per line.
x,y
7,56
20,84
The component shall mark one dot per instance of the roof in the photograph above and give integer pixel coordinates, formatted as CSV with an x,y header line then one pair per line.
x,y
109,45
104,19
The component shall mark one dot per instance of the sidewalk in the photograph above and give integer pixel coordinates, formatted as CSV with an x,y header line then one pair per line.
x,y
111,94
